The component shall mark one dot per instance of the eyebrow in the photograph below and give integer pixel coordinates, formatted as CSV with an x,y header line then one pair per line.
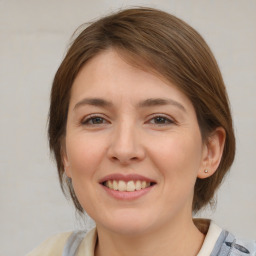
x,y
160,102
94,102
99,102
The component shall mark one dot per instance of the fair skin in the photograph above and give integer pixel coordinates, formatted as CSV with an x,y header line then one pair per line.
x,y
126,125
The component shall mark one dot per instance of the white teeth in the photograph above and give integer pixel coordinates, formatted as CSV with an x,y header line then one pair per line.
x,y
115,185
109,184
138,185
129,186
121,185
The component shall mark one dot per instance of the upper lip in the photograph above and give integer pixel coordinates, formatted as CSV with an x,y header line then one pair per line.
x,y
126,178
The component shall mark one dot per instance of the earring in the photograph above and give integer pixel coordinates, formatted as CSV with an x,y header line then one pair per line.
x,y
205,171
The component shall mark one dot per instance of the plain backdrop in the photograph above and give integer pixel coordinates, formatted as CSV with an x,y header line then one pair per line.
x,y
34,35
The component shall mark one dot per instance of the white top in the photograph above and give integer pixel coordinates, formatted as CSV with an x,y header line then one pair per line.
x,y
55,245
210,239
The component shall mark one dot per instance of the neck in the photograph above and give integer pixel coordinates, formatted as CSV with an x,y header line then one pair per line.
x,y
178,238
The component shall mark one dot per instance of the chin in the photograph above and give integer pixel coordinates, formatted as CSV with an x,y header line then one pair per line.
x,y
127,229
127,223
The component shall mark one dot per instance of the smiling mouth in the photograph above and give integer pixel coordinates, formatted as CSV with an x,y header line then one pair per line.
x,y
129,186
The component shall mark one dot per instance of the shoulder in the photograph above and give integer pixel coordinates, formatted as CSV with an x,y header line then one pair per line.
x,y
231,245
219,242
245,247
52,246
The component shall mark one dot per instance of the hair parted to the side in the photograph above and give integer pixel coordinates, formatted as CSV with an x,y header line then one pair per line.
x,y
162,43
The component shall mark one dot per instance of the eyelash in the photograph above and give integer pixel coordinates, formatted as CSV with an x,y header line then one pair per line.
x,y
93,117
169,121
90,118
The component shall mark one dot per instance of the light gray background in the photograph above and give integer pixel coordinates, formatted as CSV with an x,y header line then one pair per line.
x,y
33,38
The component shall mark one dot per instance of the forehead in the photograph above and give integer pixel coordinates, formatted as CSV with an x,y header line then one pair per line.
x,y
109,74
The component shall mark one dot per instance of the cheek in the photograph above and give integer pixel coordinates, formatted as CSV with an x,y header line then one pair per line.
x,y
84,154
178,155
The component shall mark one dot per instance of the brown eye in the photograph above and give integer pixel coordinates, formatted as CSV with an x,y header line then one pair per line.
x,y
94,120
97,120
161,120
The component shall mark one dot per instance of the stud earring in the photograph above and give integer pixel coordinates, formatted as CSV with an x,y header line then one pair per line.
x,y
205,171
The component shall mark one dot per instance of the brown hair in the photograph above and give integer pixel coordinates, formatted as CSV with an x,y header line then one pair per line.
x,y
153,39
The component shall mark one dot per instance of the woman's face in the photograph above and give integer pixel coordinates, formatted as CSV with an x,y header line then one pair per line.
x,y
133,147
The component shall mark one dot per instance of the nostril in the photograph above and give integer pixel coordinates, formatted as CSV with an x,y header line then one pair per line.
x,y
124,160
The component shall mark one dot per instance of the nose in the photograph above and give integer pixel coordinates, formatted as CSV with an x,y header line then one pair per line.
x,y
126,144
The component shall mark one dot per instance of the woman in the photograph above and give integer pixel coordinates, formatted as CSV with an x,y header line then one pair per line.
x,y
142,134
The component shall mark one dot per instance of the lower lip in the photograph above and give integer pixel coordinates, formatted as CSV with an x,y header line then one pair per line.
x,y
124,195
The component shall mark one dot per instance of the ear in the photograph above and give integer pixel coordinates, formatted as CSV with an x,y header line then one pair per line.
x,y
212,153
65,160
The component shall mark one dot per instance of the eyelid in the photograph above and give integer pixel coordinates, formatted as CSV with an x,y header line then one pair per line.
x,y
89,117
86,119
167,117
